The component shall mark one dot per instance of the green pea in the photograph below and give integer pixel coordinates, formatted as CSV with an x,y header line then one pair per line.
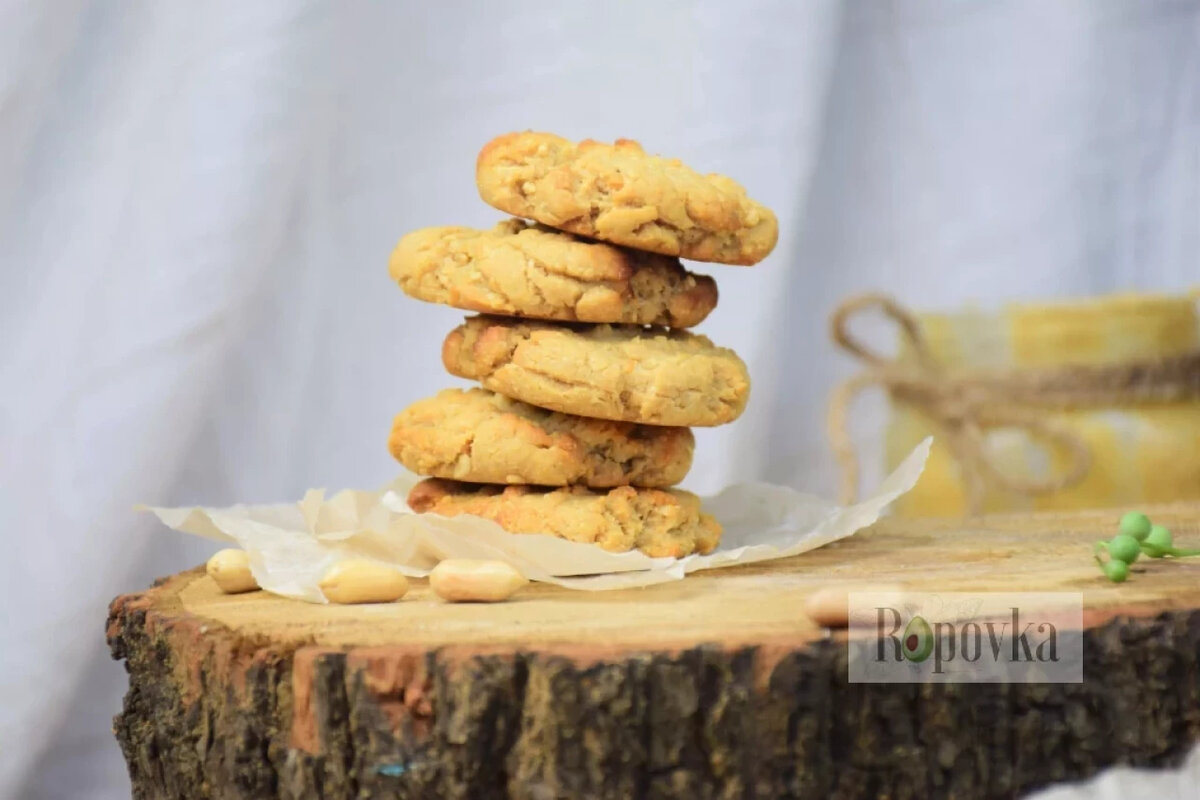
x,y
1123,547
1117,571
1159,537
1135,524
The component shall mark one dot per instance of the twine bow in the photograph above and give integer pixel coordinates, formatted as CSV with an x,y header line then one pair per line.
x,y
965,407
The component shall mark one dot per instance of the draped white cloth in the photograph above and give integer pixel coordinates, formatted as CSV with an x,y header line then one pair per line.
x,y
197,201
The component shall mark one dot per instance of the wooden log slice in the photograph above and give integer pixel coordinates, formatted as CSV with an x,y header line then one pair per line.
x,y
717,686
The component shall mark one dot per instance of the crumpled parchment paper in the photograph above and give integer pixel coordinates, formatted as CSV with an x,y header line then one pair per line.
x,y
292,545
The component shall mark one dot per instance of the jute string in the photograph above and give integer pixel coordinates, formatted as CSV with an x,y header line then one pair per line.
x,y
964,407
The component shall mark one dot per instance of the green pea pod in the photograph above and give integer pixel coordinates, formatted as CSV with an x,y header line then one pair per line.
x,y
1115,570
1124,547
1178,552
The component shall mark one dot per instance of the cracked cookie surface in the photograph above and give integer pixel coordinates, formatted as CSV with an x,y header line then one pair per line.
x,y
537,272
477,435
654,376
618,193
659,522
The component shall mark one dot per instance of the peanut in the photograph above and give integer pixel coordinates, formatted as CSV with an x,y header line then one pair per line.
x,y
829,605
230,570
362,582
468,579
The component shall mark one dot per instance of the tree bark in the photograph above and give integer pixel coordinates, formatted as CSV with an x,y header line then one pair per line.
x,y
214,713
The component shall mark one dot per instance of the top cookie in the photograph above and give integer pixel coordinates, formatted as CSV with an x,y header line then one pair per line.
x,y
527,270
618,193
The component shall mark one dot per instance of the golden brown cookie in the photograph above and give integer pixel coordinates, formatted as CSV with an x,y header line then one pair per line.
x,y
532,271
477,435
620,194
658,522
653,376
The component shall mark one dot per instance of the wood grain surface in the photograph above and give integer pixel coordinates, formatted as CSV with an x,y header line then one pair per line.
x,y
718,685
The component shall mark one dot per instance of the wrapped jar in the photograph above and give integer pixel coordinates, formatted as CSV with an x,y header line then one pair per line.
x,y
1143,451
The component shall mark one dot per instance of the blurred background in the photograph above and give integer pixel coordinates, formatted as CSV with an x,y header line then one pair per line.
x,y
197,203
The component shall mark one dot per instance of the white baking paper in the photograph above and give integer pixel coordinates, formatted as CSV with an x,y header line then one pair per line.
x,y
292,545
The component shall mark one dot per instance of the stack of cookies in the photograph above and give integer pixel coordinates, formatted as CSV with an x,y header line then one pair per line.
x,y
590,380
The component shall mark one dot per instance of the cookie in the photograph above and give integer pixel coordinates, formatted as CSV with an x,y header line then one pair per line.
x,y
532,271
476,435
655,376
659,522
620,194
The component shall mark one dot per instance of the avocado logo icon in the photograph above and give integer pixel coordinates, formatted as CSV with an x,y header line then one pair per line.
x,y
917,642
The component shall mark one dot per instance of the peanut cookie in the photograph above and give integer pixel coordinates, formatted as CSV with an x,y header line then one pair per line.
x,y
476,435
532,271
648,375
618,193
658,522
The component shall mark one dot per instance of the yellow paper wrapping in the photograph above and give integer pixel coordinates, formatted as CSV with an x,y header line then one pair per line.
x,y
1147,453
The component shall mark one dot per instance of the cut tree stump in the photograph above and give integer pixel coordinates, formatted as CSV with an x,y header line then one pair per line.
x,y
717,686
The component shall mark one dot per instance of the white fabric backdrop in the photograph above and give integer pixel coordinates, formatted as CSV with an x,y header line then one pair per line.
x,y
197,202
